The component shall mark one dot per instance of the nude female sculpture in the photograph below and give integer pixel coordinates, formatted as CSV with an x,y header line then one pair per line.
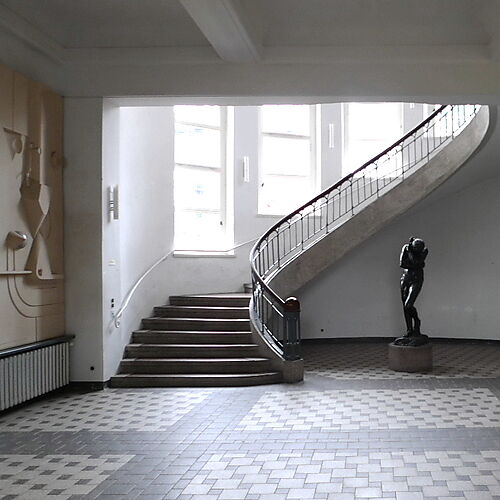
x,y
412,261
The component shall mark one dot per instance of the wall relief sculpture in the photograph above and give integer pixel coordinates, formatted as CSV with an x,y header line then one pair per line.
x,y
31,211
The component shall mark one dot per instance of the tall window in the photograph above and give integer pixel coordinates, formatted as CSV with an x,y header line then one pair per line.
x,y
288,174
369,128
199,179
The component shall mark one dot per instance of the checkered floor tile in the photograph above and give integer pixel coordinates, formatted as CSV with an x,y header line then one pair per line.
x,y
346,476
374,409
58,476
356,361
356,431
110,410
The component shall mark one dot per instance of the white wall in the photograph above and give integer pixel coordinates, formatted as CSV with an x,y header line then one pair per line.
x,y
111,269
144,231
83,235
359,296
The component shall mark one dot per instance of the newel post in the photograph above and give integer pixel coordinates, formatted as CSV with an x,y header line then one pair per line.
x,y
291,344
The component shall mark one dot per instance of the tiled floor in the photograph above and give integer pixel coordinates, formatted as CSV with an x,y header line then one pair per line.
x,y
352,429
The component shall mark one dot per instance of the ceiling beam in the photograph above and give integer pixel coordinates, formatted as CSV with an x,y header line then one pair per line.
x,y
227,27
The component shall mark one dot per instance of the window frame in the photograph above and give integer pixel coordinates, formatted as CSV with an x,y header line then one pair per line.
x,y
314,169
222,169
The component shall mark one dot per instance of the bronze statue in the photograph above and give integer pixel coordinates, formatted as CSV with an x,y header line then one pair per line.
x,y
412,261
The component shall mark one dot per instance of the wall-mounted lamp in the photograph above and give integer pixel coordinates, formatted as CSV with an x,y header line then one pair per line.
x,y
113,203
331,135
246,169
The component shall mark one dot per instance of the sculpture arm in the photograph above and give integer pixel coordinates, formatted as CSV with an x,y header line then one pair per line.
x,y
404,261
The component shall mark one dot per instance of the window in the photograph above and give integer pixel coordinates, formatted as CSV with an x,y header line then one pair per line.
x,y
370,128
288,173
200,178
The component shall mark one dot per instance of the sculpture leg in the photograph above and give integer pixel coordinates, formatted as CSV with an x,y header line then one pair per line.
x,y
407,314
410,310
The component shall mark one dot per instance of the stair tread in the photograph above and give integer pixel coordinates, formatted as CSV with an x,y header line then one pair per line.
x,y
236,295
196,332
199,360
136,344
195,319
194,375
211,308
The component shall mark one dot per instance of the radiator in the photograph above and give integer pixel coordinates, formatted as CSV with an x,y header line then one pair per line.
x,y
30,371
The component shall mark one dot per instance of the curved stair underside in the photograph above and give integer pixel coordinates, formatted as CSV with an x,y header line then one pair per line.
x,y
372,217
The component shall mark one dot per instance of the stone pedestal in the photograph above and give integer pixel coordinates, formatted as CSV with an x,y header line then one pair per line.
x,y
410,359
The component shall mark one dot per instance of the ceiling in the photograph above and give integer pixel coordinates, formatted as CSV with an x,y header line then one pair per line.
x,y
219,38
167,23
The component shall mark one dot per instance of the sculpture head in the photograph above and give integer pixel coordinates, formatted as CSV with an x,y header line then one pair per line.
x,y
417,245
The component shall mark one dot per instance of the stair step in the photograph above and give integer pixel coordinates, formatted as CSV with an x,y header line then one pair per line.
x,y
194,365
195,380
205,324
190,337
191,350
201,312
212,299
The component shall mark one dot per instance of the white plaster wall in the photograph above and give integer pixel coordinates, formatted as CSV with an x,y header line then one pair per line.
x,y
359,296
83,235
145,226
111,269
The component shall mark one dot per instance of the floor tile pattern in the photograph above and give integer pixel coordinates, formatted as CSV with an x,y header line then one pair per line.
x,y
374,409
351,430
360,360
58,476
106,411
346,475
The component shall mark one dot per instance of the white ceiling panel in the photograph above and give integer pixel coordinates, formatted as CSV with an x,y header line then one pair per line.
x,y
111,23
369,22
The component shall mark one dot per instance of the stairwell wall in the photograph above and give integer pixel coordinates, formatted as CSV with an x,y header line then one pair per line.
x,y
83,236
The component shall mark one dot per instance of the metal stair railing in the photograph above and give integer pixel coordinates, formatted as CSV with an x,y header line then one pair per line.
x,y
278,319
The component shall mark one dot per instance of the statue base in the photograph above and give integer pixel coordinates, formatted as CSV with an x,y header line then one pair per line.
x,y
413,340
411,359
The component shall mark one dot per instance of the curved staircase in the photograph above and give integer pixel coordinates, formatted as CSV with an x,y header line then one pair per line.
x,y
196,341
316,235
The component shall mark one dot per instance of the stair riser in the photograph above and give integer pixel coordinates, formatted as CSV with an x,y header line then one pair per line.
x,y
193,324
191,352
209,301
191,338
172,367
137,381
180,312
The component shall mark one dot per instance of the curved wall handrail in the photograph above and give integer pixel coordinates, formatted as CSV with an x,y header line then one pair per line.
x,y
278,319
115,320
